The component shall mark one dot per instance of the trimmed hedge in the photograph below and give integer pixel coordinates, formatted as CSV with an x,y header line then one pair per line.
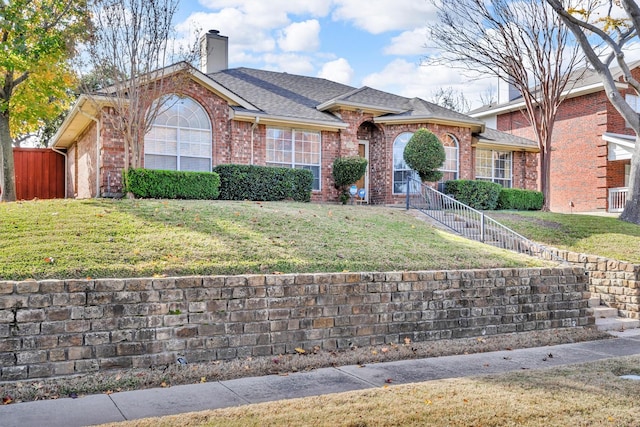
x,y
346,171
163,184
518,199
477,194
264,183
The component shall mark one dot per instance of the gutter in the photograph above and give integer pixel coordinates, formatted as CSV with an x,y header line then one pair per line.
x,y
253,128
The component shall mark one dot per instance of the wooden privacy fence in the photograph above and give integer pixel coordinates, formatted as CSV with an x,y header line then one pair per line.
x,y
39,173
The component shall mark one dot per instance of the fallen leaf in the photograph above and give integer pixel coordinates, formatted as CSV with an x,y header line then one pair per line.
x,y
407,340
300,350
427,401
7,400
374,352
163,384
203,379
384,349
388,381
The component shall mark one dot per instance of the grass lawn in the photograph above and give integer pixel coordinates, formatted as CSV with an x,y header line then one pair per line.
x,y
605,236
590,394
140,238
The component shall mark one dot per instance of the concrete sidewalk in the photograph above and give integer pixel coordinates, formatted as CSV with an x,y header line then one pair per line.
x,y
98,409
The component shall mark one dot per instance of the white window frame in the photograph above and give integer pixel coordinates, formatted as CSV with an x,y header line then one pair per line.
x,y
400,166
182,109
494,156
290,146
634,102
452,155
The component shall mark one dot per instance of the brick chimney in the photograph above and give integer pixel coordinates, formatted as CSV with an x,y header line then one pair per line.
x,y
214,53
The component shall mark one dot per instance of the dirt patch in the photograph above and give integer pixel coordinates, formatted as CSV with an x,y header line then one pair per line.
x,y
183,372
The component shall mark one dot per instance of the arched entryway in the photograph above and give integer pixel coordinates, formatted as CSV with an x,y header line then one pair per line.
x,y
370,146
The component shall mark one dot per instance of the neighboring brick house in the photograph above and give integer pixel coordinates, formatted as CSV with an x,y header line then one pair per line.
x,y
591,145
249,116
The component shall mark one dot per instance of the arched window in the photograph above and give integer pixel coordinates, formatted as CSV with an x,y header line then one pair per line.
x,y
401,171
180,138
450,166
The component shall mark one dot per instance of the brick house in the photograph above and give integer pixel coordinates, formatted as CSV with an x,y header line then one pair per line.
x,y
250,116
591,145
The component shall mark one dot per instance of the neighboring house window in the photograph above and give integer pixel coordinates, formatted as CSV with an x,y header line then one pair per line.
x,y
494,166
401,171
295,149
180,138
450,166
634,102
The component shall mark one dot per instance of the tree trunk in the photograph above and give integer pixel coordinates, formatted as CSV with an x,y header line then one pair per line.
x,y
631,211
7,172
545,177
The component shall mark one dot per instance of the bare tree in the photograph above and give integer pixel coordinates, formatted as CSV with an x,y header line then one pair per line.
x,y
451,99
604,30
130,53
523,43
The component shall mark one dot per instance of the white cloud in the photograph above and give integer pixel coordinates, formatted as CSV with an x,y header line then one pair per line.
x,y
289,63
414,80
338,71
300,37
378,16
409,43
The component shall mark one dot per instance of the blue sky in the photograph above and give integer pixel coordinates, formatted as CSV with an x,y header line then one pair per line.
x,y
377,43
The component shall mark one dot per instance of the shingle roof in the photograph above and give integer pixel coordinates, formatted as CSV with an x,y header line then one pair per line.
x,y
282,94
495,137
311,98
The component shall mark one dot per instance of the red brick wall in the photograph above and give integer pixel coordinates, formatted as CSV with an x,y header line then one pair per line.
x,y
579,155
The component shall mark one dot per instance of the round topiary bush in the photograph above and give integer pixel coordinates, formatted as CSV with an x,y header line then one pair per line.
x,y
425,154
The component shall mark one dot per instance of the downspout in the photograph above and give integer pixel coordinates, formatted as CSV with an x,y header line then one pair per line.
x,y
253,127
66,169
97,151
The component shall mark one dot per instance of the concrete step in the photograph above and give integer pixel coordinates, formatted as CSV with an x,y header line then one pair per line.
x,y
594,301
616,324
604,312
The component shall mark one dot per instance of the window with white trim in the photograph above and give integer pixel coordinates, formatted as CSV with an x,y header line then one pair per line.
x,y
450,167
494,166
180,138
401,171
634,102
297,149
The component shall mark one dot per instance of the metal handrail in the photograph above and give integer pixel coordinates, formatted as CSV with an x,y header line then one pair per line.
x,y
469,222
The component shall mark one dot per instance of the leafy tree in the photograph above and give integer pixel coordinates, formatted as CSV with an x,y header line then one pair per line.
x,y
425,154
346,171
612,25
523,43
37,40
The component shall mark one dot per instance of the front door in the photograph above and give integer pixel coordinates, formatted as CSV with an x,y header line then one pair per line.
x,y
363,151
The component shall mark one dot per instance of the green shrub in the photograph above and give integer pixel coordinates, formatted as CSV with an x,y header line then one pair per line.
x,y
163,184
247,182
346,171
425,154
518,199
477,194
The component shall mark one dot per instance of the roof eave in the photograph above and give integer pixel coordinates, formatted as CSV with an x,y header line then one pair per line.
x,y
476,126
346,105
80,116
294,122
491,144
571,93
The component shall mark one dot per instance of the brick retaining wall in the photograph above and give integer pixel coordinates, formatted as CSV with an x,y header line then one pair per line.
x,y
617,283
68,327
